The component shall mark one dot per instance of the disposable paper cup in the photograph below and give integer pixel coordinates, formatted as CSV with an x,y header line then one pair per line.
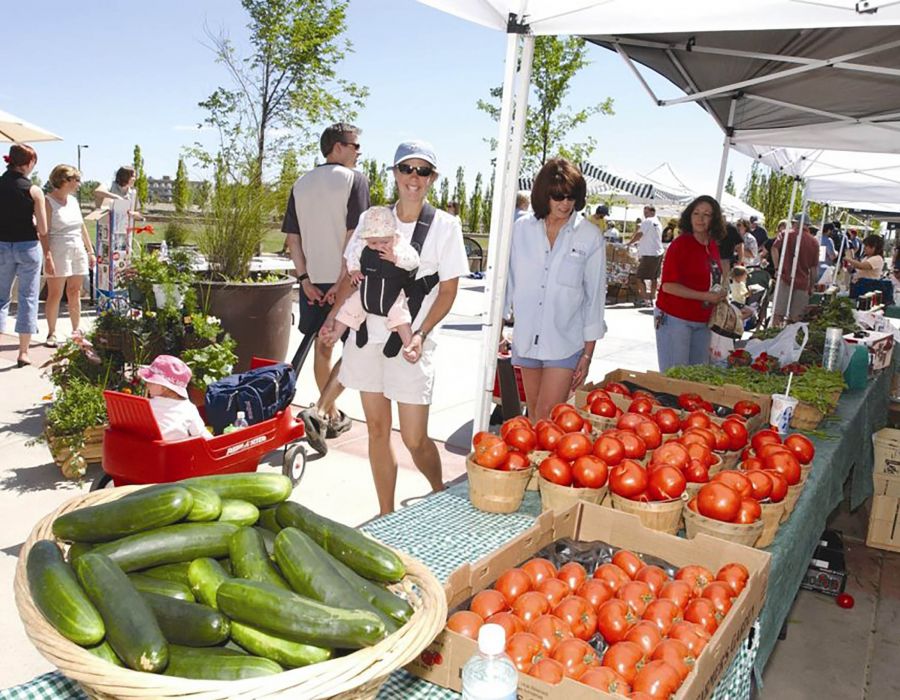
x,y
782,412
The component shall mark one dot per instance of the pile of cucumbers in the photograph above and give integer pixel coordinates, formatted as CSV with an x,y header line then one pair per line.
x,y
217,578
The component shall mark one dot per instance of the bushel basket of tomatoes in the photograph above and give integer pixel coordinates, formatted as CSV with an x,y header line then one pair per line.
x,y
499,466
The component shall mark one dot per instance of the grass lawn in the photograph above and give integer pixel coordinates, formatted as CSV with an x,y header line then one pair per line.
x,y
272,243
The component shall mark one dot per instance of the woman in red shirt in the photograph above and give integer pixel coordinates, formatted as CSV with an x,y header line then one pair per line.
x,y
690,286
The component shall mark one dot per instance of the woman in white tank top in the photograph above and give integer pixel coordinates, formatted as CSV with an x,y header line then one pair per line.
x,y
73,254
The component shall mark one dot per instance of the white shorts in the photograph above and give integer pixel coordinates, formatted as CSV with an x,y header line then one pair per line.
x,y
367,369
70,257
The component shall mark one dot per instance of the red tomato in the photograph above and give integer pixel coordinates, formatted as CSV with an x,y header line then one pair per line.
x,y
785,464
559,409
747,408
665,483
679,592
605,679
579,614
761,484
845,600
488,602
736,416
696,576
538,570
522,439
737,434
752,463
701,453
466,623
617,388
572,574
623,658
635,448
653,576
630,421
667,420
512,583
596,394
692,635
628,561
551,630
637,595
723,442
548,436
530,606
554,590
628,479
491,453
515,462
525,650
770,449
557,470
695,419
749,512
677,655
646,635
719,501
719,594
736,480
594,592
702,436
697,472
569,421
603,407
548,670
703,612
507,621
663,613
801,446
649,432
673,453
483,435
576,656
779,487
614,619
589,472
612,576
641,405
689,401
767,436
517,422
609,449
657,679
641,394
735,575
571,446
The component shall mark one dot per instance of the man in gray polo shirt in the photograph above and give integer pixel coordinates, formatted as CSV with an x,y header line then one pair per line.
x,y
322,211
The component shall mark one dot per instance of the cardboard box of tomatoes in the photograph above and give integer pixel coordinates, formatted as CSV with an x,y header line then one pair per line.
x,y
441,663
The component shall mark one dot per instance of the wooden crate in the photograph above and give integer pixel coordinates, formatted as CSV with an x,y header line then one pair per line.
x,y
884,520
887,452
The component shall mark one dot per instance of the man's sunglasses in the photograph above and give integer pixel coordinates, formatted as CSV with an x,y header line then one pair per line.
x,y
353,145
420,170
560,196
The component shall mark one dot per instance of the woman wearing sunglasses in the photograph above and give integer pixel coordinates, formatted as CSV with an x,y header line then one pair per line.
x,y
373,363
556,288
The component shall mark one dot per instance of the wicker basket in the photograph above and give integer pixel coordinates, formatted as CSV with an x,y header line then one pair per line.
x,y
496,491
353,677
793,495
556,497
771,518
728,460
536,457
717,466
694,523
598,423
67,461
664,516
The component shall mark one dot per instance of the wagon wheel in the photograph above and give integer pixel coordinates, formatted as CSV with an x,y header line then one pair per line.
x,y
101,482
294,464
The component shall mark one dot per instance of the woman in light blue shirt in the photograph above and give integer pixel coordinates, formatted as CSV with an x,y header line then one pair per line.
x,y
556,288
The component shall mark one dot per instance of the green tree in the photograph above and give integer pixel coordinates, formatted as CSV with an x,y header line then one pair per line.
x,y
395,193
36,178
770,193
377,182
140,180
487,205
549,122
729,184
286,84
290,171
181,188
473,215
200,194
445,193
459,192
87,190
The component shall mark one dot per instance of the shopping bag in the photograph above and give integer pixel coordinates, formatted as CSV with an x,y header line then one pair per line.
x,y
726,320
720,347
784,346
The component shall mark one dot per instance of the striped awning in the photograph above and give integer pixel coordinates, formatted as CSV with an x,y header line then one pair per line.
x,y
600,180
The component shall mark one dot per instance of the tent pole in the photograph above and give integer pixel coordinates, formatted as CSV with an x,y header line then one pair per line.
x,y
783,241
509,153
729,130
796,253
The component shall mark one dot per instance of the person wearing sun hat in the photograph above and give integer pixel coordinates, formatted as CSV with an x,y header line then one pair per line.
x,y
167,380
372,362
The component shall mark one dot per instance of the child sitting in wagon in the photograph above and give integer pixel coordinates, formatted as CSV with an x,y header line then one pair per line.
x,y
167,379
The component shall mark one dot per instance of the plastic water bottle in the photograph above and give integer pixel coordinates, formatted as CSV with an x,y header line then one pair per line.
x,y
240,421
163,250
490,674
831,354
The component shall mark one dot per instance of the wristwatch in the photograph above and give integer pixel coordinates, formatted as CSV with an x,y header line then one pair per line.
x,y
421,333
304,276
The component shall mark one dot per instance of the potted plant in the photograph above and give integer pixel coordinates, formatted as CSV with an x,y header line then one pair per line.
x,y
164,281
208,364
75,424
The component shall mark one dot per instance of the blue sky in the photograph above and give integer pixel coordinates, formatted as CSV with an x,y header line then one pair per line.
x,y
112,75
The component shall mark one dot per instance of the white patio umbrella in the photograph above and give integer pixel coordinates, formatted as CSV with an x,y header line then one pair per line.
x,y
15,129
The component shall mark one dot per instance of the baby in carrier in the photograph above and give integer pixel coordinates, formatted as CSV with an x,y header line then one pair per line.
x,y
381,264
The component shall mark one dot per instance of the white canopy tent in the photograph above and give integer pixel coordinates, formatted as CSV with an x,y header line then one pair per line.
x,y
606,22
15,129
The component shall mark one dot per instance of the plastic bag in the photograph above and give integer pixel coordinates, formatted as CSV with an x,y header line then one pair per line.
x,y
720,347
784,346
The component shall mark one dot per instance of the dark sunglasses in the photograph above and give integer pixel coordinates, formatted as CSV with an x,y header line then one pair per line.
x,y
560,196
420,170
353,145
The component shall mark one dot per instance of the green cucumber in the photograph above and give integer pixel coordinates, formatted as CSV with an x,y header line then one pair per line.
x,y
286,614
269,520
268,540
289,654
59,596
239,512
191,624
76,549
364,555
170,572
207,504
170,589
125,516
307,568
206,576
105,651
379,596
131,628
258,489
169,545
213,665
250,560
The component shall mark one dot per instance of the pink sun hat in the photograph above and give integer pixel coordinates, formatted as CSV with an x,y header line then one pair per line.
x,y
168,371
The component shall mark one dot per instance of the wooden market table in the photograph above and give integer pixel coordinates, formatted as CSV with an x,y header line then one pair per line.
x,y
444,531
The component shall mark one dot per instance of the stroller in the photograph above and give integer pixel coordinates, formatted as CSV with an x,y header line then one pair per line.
x,y
759,282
